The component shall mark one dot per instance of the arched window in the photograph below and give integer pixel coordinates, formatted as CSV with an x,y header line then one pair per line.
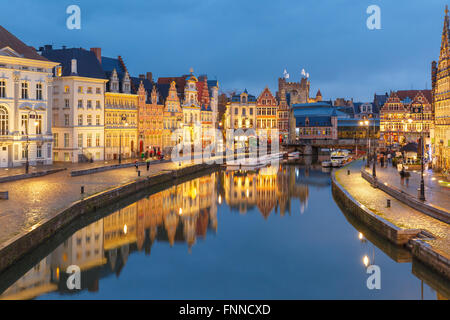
x,y
3,121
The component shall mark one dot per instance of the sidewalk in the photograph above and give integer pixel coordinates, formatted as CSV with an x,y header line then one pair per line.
x,y
399,214
436,193
32,200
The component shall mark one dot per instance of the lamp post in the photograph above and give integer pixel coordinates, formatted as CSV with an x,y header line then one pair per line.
x,y
366,124
422,183
123,120
27,163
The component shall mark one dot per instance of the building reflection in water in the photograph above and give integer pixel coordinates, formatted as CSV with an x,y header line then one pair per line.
x,y
180,214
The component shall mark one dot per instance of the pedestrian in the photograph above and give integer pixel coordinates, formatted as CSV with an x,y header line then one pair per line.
x,y
382,161
159,154
148,164
136,165
389,157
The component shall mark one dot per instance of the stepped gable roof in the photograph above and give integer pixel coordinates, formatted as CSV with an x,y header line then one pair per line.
x,y
8,40
411,94
87,63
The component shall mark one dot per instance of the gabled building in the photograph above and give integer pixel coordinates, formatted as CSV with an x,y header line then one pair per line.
x,y
121,109
401,117
25,103
440,77
78,105
266,113
283,116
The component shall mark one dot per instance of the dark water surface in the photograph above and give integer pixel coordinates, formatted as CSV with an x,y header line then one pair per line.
x,y
273,234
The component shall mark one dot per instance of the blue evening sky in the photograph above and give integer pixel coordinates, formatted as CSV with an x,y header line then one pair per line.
x,y
248,43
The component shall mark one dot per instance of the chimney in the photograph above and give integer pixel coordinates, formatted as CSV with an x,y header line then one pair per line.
x,y
74,66
98,53
149,76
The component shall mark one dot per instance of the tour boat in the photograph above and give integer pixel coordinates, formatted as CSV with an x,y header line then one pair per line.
x,y
339,157
293,155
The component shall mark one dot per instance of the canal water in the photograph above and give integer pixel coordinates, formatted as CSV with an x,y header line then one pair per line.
x,y
275,233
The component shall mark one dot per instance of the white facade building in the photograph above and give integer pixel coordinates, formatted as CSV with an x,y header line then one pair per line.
x,y
25,104
78,105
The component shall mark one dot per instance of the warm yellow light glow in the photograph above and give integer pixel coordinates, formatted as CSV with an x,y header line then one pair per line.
x,y
125,229
410,120
57,273
366,260
360,236
220,199
366,122
36,123
180,212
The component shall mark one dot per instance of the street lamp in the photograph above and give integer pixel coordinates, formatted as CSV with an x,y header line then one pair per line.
x,y
366,124
422,183
374,168
123,120
27,164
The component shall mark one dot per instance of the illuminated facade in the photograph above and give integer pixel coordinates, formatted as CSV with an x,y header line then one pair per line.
x,y
441,101
25,104
401,117
78,105
266,113
173,116
150,121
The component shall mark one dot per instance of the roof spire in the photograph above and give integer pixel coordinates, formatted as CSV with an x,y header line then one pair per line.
x,y
446,10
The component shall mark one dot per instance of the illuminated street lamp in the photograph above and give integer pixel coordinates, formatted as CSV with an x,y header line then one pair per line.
x,y
123,120
27,164
422,183
366,124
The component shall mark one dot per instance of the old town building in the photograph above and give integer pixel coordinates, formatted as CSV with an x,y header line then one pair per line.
x,y
241,115
150,119
173,116
121,110
266,113
78,105
25,103
401,118
441,101
283,116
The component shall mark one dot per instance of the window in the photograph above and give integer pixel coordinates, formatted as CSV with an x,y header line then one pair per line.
x,y
236,110
3,121
55,140
97,120
66,120
80,103
80,119
97,140
66,140
251,111
97,105
89,140
89,104
24,90
80,140
39,91
89,90
80,89
66,156
98,91
66,103
2,89
39,124
66,89
24,124
38,151
89,120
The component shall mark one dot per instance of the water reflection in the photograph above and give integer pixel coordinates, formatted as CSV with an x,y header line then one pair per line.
x,y
183,215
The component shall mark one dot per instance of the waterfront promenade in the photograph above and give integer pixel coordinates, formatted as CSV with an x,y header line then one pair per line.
x,y
437,188
34,200
399,213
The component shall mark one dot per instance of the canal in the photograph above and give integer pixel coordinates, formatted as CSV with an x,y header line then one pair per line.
x,y
276,233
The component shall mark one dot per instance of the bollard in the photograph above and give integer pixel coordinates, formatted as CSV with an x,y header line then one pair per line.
x,y
388,203
348,172
139,173
82,189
